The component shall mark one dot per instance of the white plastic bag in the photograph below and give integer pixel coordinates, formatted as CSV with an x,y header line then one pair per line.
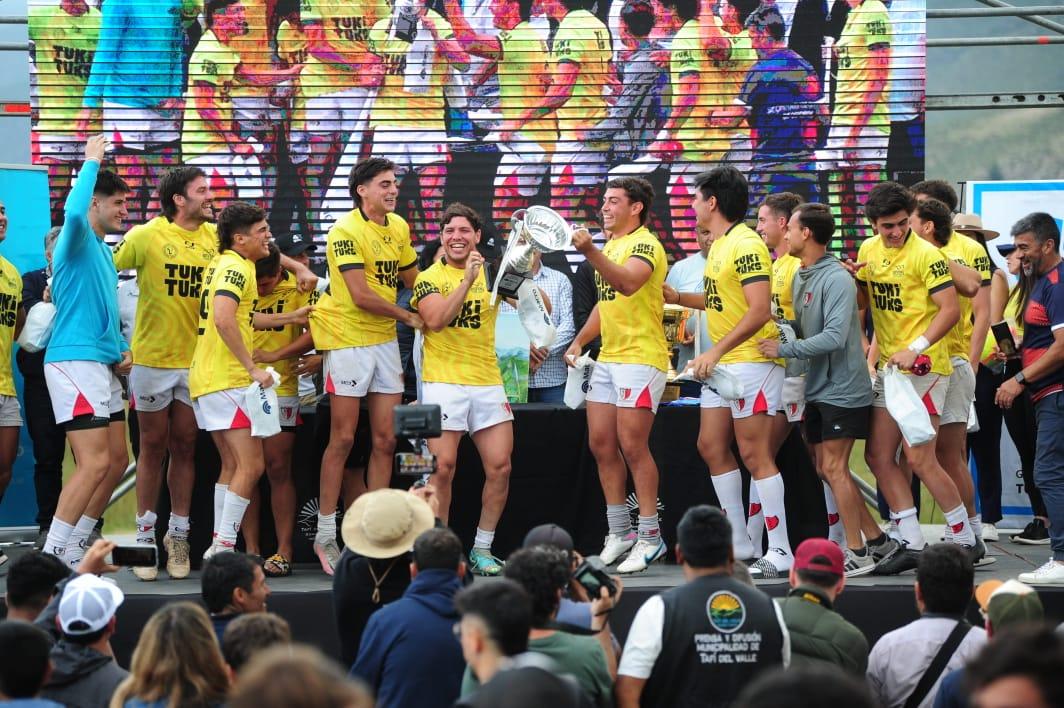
x,y
534,317
906,408
973,420
38,328
578,380
263,409
722,382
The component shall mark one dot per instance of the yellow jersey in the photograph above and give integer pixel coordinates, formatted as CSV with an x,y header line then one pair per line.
x,y
285,298
737,258
867,28
170,264
381,251
412,93
582,39
968,252
10,298
688,57
900,283
463,352
212,64
524,75
732,70
253,47
346,25
631,328
63,49
783,271
214,368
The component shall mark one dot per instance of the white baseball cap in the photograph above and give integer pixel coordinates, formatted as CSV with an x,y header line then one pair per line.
x,y
88,604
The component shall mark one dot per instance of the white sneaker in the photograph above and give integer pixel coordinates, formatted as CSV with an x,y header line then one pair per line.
x,y
616,546
855,565
217,547
775,564
643,554
990,532
1052,573
177,562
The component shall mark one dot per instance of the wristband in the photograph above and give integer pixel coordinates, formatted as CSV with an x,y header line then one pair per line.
x,y
920,345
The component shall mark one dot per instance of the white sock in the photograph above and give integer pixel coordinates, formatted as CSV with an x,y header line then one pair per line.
x,y
483,540
178,527
232,516
146,527
770,490
836,532
909,528
649,529
219,504
58,536
958,524
729,489
893,531
976,522
755,521
618,519
326,528
77,544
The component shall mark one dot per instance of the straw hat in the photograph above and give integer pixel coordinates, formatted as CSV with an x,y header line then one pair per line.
x,y
965,223
385,523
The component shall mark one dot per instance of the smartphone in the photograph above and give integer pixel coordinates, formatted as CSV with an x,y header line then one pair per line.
x,y
1003,335
140,556
412,464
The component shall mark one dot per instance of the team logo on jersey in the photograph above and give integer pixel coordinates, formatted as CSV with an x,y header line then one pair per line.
x,y
807,299
170,251
726,611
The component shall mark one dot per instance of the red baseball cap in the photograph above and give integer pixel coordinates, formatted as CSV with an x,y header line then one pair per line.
x,y
819,554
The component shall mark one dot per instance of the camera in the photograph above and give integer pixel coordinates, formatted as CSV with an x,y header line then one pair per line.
x,y
419,423
594,575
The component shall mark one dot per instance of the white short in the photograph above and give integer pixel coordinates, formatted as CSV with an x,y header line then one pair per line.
x,y
411,149
240,172
468,408
152,389
356,371
579,164
931,388
792,398
626,385
289,406
871,147
256,113
83,388
135,128
10,412
58,148
222,410
959,393
341,112
522,168
762,389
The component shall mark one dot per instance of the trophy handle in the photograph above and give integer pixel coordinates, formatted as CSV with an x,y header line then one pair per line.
x,y
510,244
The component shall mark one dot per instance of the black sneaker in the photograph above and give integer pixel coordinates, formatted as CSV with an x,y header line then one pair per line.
x,y
1033,534
903,559
978,554
884,549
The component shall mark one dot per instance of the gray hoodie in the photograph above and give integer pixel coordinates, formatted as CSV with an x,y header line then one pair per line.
x,y
825,305
82,677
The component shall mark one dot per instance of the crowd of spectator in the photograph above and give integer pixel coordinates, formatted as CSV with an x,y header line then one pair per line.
x,y
430,637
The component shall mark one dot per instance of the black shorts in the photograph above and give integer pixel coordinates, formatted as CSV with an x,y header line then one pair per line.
x,y
824,421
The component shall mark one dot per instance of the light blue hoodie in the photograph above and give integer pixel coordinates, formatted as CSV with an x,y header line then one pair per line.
x,y
84,285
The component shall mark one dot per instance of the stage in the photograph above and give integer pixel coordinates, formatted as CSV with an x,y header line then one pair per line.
x,y
876,605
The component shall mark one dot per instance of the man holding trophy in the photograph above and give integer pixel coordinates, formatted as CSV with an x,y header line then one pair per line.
x,y
629,378
460,373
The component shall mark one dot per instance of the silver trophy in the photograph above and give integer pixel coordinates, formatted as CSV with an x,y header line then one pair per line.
x,y
537,228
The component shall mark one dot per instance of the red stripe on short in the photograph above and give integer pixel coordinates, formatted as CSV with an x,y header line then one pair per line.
x,y
82,406
240,420
645,400
760,403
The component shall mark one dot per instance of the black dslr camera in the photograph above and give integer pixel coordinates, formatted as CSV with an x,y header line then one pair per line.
x,y
594,575
419,423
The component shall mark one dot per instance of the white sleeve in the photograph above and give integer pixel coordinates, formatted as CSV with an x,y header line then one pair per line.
x,y
644,640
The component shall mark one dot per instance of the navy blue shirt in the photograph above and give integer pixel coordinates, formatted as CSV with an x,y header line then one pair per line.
x,y
1044,314
781,91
